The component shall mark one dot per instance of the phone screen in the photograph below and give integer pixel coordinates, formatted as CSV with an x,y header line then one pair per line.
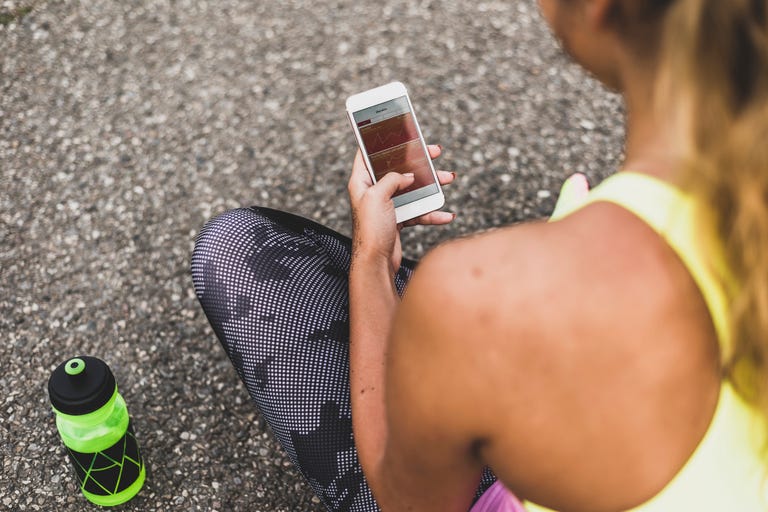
x,y
392,143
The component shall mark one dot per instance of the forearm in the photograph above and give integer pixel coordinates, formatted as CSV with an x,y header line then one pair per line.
x,y
373,301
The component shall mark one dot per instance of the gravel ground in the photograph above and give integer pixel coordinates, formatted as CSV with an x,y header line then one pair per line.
x,y
125,125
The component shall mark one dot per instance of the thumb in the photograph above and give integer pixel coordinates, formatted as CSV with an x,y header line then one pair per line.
x,y
394,181
574,193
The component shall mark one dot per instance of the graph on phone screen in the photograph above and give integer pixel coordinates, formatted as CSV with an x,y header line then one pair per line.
x,y
389,133
392,143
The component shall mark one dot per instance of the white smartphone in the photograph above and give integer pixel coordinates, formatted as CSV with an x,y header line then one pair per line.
x,y
391,141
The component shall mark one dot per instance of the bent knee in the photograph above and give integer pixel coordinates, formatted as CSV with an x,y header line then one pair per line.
x,y
224,226
226,236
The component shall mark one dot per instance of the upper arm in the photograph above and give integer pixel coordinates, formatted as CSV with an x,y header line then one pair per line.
x,y
547,354
431,464
438,375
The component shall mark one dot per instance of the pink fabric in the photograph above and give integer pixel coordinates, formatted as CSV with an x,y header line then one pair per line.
x,y
498,499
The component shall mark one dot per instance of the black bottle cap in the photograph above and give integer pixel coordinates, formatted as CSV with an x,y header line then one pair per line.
x,y
81,385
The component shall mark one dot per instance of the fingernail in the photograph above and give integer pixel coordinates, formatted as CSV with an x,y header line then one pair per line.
x,y
453,174
440,146
408,174
454,216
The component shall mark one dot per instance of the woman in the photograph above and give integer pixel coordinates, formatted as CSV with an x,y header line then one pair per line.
x,y
612,359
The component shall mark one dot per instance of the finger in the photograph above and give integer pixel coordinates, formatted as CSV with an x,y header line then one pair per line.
x,y
360,170
579,183
360,179
432,219
435,150
445,177
397,254
392,182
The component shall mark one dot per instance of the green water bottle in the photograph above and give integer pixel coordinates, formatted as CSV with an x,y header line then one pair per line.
x,y
94,425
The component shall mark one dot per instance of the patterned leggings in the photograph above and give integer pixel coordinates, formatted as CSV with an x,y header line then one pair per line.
x,y
274,288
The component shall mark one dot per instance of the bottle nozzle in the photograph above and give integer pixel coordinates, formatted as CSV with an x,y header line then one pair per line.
x,y
75,366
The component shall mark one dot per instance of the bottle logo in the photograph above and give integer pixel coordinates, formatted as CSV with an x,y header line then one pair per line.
x,y
111,471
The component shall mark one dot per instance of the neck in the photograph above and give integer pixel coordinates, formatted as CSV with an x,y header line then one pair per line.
x,y
648,148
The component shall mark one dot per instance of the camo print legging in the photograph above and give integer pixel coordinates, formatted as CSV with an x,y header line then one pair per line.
x,y
274,288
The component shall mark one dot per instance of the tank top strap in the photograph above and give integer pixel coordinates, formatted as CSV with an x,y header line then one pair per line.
x,y
675,216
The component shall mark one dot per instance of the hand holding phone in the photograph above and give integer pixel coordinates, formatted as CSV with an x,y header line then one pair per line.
x,y
390,140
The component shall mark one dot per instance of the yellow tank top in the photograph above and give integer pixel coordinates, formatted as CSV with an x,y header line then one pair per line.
x,y
726,471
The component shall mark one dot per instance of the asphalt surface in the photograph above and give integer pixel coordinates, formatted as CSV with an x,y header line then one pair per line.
x,y
125,125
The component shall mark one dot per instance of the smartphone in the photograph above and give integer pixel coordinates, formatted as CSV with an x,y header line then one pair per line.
x,y
391,141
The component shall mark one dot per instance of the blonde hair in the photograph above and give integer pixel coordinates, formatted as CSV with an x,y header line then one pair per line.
x,y
714,71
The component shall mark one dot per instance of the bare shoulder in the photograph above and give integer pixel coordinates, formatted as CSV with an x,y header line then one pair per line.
x,y
580,353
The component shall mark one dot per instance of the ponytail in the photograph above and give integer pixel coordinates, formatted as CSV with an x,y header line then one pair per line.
x,y
714,74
